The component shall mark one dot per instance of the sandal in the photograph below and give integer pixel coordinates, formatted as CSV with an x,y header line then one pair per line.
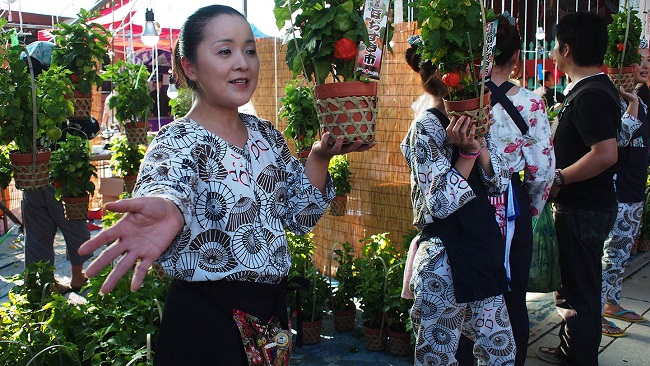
x,y
61,289
621,316
548,354
611,330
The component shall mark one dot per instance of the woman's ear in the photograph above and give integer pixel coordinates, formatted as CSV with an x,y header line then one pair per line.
x,y
188,68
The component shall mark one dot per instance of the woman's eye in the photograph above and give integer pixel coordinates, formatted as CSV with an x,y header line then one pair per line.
x,y
224,52
251,52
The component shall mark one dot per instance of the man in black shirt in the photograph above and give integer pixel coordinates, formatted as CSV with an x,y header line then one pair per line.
x,y
583,193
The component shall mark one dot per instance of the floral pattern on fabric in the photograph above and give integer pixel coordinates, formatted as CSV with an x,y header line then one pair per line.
x,y
264,344
236,201
437,189
531,153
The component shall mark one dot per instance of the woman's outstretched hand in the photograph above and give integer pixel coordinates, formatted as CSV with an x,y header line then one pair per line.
x,y
324,151
140,237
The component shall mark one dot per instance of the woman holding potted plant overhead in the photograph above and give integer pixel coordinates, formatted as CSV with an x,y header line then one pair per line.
x,y
211,204
621,54
459,260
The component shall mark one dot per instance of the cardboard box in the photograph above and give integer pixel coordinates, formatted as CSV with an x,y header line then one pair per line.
x,y
110,189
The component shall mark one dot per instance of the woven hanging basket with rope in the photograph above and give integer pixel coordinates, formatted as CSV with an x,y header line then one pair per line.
x,y
479,115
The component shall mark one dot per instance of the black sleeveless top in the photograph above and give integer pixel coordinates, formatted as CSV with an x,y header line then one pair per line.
x,y
473,241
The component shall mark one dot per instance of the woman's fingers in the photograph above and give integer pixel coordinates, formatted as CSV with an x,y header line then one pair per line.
x,y
122,266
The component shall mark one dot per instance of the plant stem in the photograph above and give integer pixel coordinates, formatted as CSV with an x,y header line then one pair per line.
x,y
471,65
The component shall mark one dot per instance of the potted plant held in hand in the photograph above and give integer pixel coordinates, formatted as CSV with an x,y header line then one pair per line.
x,y
81,48
132,102
322,44
71,171
452,40
30,109
339,169
125,160
298,106
622,53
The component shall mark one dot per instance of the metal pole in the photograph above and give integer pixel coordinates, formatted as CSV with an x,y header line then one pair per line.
x,y
244,7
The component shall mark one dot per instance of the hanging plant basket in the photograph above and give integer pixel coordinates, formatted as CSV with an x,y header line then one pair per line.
x,y
129,183
136,132
375,339
399,343
470,107
83,102
348,109
30,175
311,331
625,77
338,207
76,208
345,320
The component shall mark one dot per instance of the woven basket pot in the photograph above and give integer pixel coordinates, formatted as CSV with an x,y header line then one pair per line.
x,y
625,77
82,104
399,343
345,320
311,331
470,107
347,109
30,175
76,208
129,183
136,133
375,338
339,206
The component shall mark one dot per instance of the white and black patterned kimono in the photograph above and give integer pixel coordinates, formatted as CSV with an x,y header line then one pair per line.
x,y
236,202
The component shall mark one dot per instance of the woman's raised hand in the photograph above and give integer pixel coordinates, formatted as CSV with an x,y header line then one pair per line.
x,y
140,237
461,131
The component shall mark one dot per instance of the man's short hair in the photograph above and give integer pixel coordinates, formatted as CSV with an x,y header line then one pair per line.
x,y
586,34
547,74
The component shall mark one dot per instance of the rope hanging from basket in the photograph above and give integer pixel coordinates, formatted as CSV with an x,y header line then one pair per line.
x,y
627,32
483,60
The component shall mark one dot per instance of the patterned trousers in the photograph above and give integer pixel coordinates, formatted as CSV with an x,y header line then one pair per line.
x,y
42,216
616,252
438,320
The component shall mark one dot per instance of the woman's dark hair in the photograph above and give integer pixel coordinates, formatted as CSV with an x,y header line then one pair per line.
x,y
430,81
508,41
191,35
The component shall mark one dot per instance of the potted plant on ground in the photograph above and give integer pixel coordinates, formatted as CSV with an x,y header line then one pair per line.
x,y
339,169
378,256
298,106
622,53
310,296
30,109
343,306
453,40
125,160
325,50
6,175
397,311
132,103
70,172
81,47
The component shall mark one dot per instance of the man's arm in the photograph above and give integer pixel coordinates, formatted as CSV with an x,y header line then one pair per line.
x,y
603,155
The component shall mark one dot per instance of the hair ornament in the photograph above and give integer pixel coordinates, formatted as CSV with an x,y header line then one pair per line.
x,y
509,17
415,41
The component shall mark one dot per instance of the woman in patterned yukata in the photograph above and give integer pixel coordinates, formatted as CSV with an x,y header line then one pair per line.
x,y
630,182
526,146
215,192
458,276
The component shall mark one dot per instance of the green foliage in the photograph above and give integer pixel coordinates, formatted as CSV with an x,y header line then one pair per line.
x,y
41,328
397,308
616,35
347,278
339,169
319,24
16,99
183,103
132,102
71,169
312,299
378,257
126,157
81,48
111,218
452,39
298,106
6,172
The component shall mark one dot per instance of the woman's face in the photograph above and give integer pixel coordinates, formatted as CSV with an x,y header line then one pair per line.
x,y
227,66
643,67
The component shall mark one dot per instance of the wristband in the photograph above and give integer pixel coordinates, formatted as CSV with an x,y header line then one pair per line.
x,y
468,155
